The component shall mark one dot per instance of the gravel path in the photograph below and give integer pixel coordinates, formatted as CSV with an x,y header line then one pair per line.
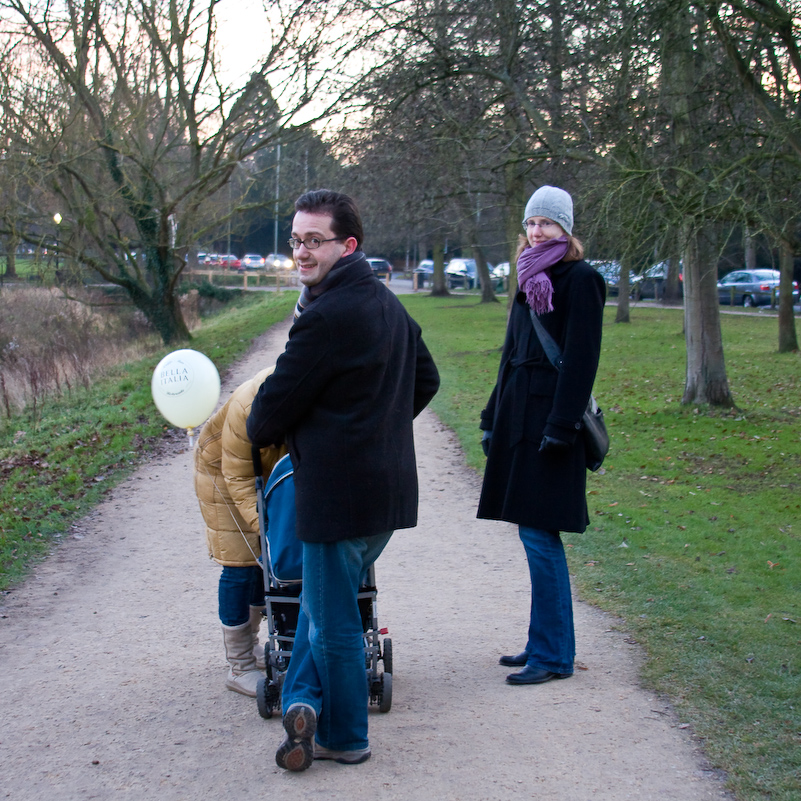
x,y
112,670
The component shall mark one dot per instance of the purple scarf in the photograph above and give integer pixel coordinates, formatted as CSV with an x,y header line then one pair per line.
x,y
532,272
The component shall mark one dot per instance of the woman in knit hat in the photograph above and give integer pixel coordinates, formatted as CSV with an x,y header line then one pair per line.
x,y
536,466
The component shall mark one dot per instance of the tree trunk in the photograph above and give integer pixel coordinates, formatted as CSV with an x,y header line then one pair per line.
x,y
555,80
750,250
705,381
788,341
623,292
11,264
515,200
160,304
165,315
438,288
487,289
12,243
671,292
513,230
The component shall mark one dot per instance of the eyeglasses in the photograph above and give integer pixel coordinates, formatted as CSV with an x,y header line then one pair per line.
x,y
545,224
311,243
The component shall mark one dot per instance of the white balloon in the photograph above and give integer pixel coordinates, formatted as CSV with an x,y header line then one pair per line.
x,y
186,387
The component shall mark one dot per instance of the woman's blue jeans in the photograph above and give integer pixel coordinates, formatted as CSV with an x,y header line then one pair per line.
x,y
239,589
327,669
551,639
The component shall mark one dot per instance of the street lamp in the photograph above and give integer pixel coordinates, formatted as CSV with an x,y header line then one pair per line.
x,y
277,194
57,219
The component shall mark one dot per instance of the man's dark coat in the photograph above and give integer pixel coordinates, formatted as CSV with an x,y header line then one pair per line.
x,y
354,374
531,399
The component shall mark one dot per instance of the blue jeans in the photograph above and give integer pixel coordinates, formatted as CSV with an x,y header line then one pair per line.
x,y
551,639
239,589
327,669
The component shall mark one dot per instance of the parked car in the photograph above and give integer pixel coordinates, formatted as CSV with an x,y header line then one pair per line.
x,y
424,272
461,273
651,282
252,261
229,262
758,287
500,270
610,271
279,262
381,268
500,273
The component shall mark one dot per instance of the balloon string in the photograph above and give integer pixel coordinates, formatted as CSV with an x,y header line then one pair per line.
x,y
233,517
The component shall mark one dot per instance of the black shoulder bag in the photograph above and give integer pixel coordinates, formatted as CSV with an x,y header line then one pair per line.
x,y
596,437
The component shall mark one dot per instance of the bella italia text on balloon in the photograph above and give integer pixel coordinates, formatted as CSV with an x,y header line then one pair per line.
x,y
173,375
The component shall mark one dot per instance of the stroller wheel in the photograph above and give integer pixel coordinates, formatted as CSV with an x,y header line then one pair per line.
x,y
385,704
386,655
263,699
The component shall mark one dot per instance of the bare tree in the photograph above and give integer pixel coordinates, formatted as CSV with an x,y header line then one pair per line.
x,y
761,41
130,131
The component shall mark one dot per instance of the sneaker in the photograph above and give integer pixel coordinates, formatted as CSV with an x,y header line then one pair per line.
x,y
343,757
297,751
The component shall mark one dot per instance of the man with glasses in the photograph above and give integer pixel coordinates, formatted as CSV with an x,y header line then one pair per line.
x,y
343,395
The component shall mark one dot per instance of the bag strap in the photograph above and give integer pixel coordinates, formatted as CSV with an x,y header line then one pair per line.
x,y
552,350
548,343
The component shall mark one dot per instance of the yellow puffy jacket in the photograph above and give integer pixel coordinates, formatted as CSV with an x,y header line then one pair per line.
x,y
224,479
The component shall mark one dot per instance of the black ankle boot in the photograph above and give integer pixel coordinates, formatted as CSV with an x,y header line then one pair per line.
x,y
532,675
514,661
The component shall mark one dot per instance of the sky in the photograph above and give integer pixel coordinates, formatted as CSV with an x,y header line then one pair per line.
x,y
243,33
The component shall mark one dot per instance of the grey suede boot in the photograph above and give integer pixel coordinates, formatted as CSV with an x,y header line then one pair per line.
x,y
244,674
255,622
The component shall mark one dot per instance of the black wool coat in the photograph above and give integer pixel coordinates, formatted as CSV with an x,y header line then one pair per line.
x,y
354,374
532,399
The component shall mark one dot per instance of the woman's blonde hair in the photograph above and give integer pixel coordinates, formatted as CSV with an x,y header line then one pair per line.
x,y
575,250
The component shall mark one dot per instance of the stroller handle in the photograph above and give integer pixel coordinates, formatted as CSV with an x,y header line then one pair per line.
x,y
255,455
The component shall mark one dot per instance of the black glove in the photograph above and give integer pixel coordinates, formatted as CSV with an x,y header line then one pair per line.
x,y
485,442
553,447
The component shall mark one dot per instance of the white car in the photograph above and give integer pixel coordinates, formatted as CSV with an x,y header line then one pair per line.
x,y
462,273
279,262
252,261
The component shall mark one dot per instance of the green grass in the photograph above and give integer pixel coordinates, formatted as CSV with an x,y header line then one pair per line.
x,y
24,266
55,468
695,521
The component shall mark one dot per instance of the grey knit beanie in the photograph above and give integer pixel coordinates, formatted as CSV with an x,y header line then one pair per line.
x,y
553,203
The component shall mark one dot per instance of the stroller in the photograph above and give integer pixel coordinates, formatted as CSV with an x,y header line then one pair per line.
x,y
282,561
